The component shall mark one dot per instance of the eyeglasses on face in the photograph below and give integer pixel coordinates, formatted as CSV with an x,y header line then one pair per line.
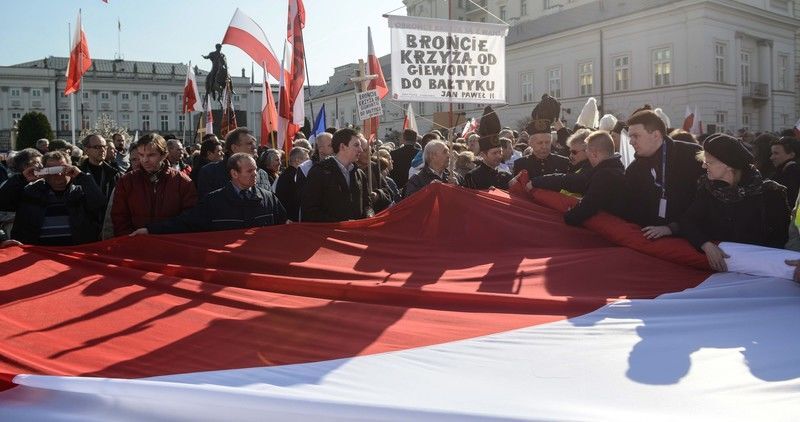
x,y
575,151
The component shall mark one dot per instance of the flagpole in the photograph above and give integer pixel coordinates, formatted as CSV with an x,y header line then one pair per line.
x,y
72,96
308,87
80,75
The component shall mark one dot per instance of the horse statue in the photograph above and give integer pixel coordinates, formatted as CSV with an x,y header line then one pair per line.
x,y
218,77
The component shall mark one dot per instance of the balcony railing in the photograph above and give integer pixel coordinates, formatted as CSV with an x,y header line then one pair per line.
x,y
756,90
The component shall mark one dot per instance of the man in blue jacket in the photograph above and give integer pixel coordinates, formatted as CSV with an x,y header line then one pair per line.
x,y
240,204
215,175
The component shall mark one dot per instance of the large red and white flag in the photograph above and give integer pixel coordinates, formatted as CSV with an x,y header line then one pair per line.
x,y
79,59
410,122
269,113
245,33
191,95
378,84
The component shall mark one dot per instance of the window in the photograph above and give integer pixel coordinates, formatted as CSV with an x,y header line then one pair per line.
x,y
145,96
15,92
163,97
745,68
437,108
86,121
783,71
622,73
746,121
85,95
549,4
164,123
354,120
719,62
145,122
126,96
722,116
523,7
554,82
180,98
63,122
585,78
526,86
237,98
460,106
104,95
16,116
36,93
662,66
421,108
181,120
502,13
125,119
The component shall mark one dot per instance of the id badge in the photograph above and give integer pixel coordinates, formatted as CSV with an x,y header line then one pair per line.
x,y
662,208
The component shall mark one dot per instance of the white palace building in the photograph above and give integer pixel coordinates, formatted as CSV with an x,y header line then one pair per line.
x,y
738,61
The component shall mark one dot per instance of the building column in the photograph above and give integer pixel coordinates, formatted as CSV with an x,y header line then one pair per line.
x,y
737,60
766,74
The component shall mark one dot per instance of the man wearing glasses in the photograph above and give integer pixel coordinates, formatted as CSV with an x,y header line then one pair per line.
x,y
105,175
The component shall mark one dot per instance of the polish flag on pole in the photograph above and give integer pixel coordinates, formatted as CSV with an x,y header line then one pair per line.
x,y
696,129
378,84
269,114
191,95
410,121
79,59
209,117
291,112
688,120
244,32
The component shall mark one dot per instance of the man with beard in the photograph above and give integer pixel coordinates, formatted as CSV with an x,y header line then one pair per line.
x,y
153,193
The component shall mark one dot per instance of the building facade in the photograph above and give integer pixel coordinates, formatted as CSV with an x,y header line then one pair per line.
x,y
736,61
143,96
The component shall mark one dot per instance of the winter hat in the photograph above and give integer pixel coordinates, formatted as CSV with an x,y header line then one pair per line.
x,y
607,123
543,115
589,115
729,150
489,129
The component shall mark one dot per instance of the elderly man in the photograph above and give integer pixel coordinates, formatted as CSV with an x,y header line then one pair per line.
x,y
662,180
214,175
240,204
541,161
486,175
402,157
95,164
286,188
59,205
437,157
43,146
336,189
175,154
153,193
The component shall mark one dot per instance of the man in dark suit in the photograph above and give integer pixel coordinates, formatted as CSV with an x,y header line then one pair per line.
x,y
336,190
401,157
286,188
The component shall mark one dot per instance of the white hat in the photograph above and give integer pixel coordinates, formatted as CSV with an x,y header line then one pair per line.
x,y
589,114
607,123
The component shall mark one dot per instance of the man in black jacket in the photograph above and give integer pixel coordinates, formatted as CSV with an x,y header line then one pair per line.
x,y
240,204
542,161
662,180
94,146
215,175
401,157
336,190
287,189
59,208
783,153
605,189
437,157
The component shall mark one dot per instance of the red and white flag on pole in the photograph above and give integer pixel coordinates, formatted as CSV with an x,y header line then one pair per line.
x,y
410,121
209,117
269,113
229,122
244,32
291,112
688,119
191,95
79,59
378,84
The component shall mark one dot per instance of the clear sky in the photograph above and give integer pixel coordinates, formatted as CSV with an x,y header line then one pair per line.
x,y
183,30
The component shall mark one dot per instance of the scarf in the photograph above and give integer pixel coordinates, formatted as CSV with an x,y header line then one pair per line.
x,y
752,185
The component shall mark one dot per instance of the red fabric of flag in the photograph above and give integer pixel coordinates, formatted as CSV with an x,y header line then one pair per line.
x,y
79,59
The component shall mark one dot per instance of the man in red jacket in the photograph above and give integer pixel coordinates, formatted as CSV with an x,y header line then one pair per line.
x,y
153,193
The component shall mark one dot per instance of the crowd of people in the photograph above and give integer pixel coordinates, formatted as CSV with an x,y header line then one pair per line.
x,y
706,189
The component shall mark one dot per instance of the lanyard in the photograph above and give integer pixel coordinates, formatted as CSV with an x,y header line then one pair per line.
x,y
663,184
